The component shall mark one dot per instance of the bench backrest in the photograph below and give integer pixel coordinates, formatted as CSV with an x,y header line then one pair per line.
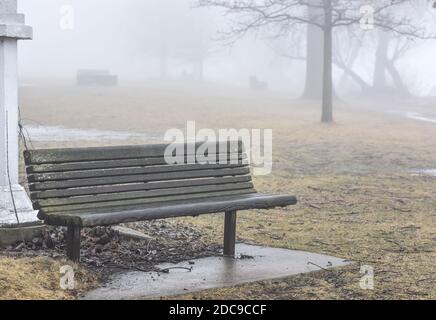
x,y
80,179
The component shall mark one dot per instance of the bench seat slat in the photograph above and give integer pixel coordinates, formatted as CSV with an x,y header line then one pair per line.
x,y
95,190
60,176
108,164
139,194
138,178
174,209
42,156
96,207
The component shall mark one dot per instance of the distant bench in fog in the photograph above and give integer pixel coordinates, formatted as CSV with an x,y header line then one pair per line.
x,y
96,78
257,85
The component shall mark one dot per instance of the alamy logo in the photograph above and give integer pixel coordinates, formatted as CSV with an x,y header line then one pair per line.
x,y
257,145
367,280
67,280
367,17
67,17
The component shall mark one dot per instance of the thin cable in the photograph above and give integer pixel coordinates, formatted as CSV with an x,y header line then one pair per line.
x,y
23,131
7,169
28,137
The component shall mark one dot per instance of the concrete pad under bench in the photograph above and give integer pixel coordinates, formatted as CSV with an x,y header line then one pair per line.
x,y
254,264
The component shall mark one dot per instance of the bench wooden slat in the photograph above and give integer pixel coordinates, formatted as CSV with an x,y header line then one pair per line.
x,y
108,164
140,202
139,194
116,215
138,178
59,176
43,156
94,190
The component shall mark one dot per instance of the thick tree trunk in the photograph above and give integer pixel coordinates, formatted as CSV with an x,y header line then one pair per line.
x,y
365,87
201,69
327,95
381,59
397,80
163,36
314,58
163,58
348,65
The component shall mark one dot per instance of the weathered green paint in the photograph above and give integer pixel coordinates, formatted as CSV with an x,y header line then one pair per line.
x,y
85,187
43,156
110,189
76,183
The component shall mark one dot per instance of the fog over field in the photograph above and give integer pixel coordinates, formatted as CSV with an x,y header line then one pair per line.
x,y
128,37
132,37
339,96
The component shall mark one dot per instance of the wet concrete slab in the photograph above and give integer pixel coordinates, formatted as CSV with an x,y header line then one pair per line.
x,y
254,263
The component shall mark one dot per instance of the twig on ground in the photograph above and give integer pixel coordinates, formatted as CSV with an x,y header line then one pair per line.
x,y
167,270
314,206
401,210
314,264
402,248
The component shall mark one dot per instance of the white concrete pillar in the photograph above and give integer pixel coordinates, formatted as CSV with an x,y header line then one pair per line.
x,y
8,115
12,29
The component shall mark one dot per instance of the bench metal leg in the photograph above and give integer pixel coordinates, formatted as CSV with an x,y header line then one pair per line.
x,y
73,243
229,233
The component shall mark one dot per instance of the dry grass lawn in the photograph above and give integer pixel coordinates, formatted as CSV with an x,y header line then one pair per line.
x,y
357,197
39,279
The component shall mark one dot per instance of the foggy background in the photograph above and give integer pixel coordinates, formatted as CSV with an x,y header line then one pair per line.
x,y
361,158
127,37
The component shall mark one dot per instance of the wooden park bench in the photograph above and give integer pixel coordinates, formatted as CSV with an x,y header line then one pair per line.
x,y
87,187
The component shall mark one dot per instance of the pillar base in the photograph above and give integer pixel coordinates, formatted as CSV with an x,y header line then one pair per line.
x,y
26,213
10,236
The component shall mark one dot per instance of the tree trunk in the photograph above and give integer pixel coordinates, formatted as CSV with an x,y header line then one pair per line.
x,y
327,95
397,80
381,59
163,38
201,69
365,87
348,65
314,58
163,58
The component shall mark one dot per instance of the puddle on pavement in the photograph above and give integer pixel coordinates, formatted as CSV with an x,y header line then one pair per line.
x,y
420,117
424,172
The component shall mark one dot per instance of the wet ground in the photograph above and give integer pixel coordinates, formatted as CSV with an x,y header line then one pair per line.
x,y
253,263
106,252
59,134
364,183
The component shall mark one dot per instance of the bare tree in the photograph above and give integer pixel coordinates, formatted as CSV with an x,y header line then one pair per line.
x,y
280,16
195,45
386,55
390,47
314,55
